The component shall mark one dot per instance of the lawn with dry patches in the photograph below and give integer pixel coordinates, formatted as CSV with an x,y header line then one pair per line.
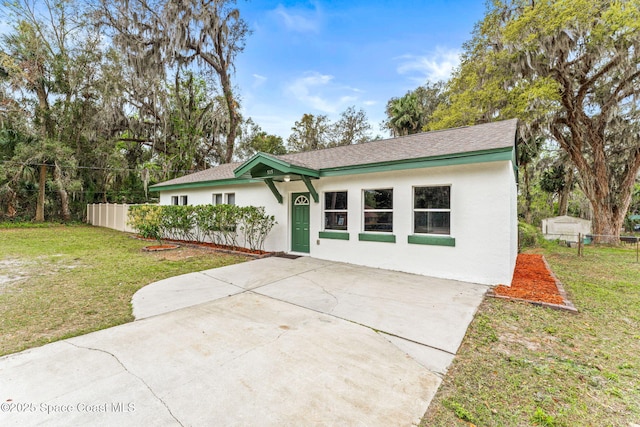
x,y
59,282
523,365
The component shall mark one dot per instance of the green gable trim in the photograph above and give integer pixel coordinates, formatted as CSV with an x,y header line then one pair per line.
x,y
216,183
500,154
309,185
337,235
264,165
371,237
432,240
273,189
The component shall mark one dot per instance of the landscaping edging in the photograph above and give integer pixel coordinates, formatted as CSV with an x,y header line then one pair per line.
x,y
566,305
212,247
160,248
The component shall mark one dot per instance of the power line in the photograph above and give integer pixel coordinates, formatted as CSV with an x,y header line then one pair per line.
x,y
95,167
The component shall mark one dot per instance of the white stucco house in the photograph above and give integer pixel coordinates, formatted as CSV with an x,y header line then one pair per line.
x,y
441,204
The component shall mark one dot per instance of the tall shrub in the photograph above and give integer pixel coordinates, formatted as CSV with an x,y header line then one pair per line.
x,y
178,222
220,224
256,225
147,221
227,218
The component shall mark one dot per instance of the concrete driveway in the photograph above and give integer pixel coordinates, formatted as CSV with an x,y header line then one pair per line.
x,y
268,342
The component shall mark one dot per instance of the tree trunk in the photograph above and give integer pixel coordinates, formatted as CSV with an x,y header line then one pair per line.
x,y
46,130
563,203
527,195
42,182
610,203
608,215
64,196
11,203
234,117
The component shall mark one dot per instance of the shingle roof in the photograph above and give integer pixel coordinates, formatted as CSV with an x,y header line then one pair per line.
x,y
224,171
488,136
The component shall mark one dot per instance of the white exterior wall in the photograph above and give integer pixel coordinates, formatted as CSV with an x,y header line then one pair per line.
x,y
254,194
483,220
514,221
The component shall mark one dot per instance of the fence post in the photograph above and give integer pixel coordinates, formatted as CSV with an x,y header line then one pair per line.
x,y
579,244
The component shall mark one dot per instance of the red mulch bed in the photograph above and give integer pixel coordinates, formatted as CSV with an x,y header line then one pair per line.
x,y
156,248
211,246
532,281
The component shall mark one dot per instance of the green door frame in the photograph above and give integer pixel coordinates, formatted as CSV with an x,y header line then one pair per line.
x,y
300,219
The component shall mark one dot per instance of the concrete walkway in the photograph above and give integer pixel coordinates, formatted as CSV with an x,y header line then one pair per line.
x,y
264,343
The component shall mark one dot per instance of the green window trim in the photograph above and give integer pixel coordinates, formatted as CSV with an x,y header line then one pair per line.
x,y
375,237
432,240
336,235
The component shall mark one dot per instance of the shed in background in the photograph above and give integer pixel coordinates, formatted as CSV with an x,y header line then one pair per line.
x,y
565,228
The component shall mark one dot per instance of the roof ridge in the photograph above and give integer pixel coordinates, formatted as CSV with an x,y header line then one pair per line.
x,y
413,135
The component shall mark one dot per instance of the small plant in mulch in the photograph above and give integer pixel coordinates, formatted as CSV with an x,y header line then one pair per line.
x,y
532,281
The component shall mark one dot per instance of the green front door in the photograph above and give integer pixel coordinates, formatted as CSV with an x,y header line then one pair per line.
x,y
300,222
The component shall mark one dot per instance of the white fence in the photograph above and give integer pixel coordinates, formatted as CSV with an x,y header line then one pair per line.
x,y
110,215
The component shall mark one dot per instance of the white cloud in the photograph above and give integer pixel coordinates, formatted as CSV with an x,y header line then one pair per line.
x,y
320,92
369,103
258,80
432,67
300,20
310,89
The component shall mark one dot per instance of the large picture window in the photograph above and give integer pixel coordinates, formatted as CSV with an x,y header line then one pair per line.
x,y
378,210
335,210
432,210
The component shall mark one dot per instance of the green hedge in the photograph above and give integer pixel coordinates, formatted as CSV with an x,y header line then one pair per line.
x,y
220,224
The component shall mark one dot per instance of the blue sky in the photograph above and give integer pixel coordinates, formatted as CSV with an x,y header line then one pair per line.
x,y
321,57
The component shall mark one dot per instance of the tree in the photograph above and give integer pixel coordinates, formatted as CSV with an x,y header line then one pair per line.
x,y
571,69
44,58
352,127
310,133
413,112
158,34
527,153
557,180
254,139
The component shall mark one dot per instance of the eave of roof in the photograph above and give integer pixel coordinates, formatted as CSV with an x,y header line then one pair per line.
x,y
493,142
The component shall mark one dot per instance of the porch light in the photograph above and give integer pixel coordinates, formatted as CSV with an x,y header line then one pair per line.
x,y
287,178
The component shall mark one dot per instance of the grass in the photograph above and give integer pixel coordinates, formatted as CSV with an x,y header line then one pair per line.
x,y
523,365
58,282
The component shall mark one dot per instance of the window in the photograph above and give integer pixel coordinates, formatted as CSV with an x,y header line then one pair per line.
x,y
432,210
335,210
229,198
378,210
174,200
183,200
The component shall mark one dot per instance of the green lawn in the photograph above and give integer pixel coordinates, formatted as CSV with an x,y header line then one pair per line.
x,y
523,365
58,282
